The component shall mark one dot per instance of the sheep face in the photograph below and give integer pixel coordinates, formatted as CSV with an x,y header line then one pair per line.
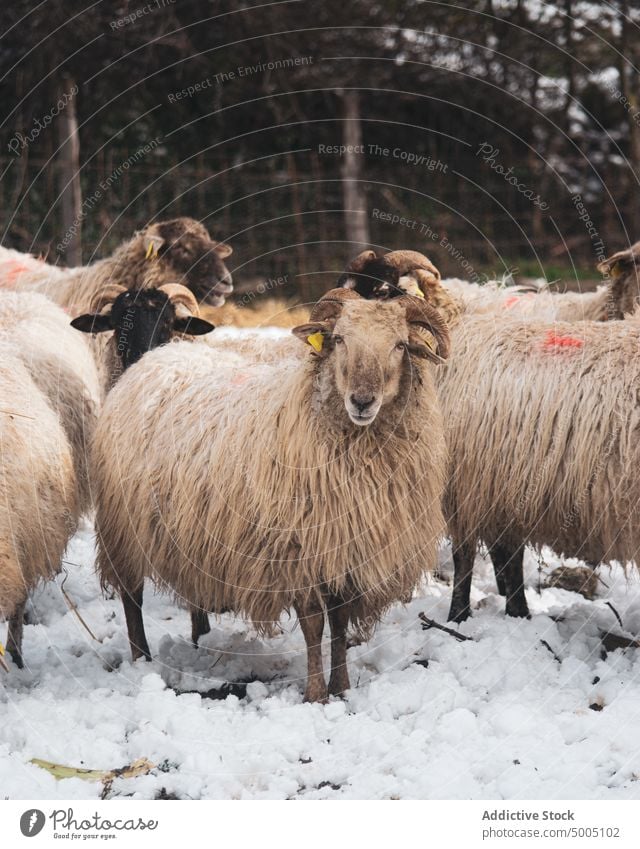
x,y
376,280
185,245
365,348
141,319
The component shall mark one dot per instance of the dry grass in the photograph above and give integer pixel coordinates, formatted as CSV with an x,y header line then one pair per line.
x,y
263,312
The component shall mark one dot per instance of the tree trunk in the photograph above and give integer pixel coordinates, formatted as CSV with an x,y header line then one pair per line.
x,y
353,196
628,86
69,173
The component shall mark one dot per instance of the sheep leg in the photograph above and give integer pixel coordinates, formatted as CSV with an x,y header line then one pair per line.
x,y
508,562
14,635
311,615
199,624
463,557
132,603
338,614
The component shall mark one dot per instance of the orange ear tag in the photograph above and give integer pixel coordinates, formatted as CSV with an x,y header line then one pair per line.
x,y
316,340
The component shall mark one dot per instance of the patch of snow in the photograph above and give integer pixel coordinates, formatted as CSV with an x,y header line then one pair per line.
x,y
428,717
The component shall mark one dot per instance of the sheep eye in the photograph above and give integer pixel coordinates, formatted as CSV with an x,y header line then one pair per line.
x,y
338,340
401,346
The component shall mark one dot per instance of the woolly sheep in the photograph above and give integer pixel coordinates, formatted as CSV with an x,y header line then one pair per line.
x,y
60,364
542,425
40,502
259,489
410,272
181,249
139,320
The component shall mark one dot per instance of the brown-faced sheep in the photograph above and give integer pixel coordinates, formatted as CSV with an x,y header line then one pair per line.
x,y
258,489
181,249
622,270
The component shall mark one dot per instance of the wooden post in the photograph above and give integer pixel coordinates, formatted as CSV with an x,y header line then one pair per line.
x,y
69,172
354,201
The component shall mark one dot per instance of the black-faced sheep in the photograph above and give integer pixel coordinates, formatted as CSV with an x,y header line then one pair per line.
x,y
311,455
181,250
138,321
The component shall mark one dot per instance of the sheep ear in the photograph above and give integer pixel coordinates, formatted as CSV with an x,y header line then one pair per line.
x,y
313,335
152,244
222,249
92,323
193,326
423,346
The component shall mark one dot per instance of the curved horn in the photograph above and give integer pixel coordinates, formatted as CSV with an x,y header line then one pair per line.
x,y
180,295
406,261
359,262
627,257
422,313
330,305
105,296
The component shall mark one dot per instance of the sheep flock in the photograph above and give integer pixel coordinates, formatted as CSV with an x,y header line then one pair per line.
x,y
315,474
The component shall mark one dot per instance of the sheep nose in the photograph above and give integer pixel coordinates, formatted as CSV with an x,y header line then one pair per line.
x,y
361,402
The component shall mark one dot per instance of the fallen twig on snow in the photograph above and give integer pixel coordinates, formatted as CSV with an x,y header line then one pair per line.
x,y
430,623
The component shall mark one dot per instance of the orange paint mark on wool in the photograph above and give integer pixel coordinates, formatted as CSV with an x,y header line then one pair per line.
x,y
513,300
239,379
554,342
11,269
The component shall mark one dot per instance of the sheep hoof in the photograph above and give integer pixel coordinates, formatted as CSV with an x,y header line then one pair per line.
x,y
459,616
137,653
316,694
338,686
16,656
518,612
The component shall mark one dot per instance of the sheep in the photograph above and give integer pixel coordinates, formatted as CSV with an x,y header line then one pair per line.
x,y
61,365
410,272
49,401
180,248
257,489
139,320
622,268
542,420
506,550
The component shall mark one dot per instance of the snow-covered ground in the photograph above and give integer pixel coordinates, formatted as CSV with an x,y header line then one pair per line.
x,y
428,716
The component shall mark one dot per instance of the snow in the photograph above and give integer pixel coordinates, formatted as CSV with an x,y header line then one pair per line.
x,y
428,717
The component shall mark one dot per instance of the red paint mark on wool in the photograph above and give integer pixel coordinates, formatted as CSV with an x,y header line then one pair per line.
x,y
554,342
513,300
11,269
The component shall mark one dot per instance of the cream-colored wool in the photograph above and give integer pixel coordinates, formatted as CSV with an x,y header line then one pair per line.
x,y
249,488
39,504
61,365
512,302
542,428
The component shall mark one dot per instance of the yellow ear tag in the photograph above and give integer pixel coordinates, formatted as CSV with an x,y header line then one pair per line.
x,y
151,251
412,288
316,340
1,649
2,663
